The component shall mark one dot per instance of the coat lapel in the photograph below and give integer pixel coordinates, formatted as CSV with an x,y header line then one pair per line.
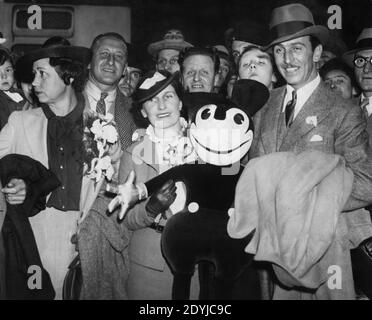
x,y
37,137
145,151
272,124
316,106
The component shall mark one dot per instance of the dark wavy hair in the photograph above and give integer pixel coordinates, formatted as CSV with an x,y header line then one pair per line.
x,y
67,69
6,55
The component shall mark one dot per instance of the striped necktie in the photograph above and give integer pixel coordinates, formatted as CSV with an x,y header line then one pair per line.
x,y
364,103
290,108
101,105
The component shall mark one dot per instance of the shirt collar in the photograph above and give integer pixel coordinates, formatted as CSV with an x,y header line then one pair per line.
x,y
362,97
302,94
95,93
369,105
307,89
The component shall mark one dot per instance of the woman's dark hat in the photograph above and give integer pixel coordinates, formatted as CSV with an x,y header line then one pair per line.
x,y
151,84
364,42
75,53
294,21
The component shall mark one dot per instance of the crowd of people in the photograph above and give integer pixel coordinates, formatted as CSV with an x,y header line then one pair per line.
x,y
320,99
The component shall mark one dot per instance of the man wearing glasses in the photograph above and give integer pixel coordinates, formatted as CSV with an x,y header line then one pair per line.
x,y
166,51
360,59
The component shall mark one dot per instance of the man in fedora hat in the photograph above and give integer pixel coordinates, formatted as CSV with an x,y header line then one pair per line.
x,y
166,51
304,114
360,58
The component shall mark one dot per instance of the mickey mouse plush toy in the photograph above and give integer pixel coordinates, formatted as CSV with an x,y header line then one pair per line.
x,y
221,134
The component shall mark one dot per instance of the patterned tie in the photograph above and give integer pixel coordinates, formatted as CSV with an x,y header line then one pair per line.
x,y
289,109
363,105
101,105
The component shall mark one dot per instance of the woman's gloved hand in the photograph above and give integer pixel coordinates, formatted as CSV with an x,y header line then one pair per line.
x,y
161,199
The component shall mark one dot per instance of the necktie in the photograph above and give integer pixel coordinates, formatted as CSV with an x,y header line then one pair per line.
x,y
364,104
101,105
289,109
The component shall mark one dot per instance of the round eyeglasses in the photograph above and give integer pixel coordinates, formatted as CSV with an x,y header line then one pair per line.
x,y
360,61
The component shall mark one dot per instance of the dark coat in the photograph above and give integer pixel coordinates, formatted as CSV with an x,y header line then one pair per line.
x,y
19,243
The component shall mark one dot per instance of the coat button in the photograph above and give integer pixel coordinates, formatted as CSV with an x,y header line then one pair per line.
x,y
193,207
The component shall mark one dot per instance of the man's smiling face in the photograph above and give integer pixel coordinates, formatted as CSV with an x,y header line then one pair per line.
x,y
198,73
108,62
296,60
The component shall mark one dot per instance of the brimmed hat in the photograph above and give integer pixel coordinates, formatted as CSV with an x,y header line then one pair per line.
x,y
151,84
294,21
364,42
222,51
248,31
25,63
172,39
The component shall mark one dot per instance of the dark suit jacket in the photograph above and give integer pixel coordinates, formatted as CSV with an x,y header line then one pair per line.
x,y
340,129
19,243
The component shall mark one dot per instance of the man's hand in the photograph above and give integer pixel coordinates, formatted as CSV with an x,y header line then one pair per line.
x,y
161,199
15,191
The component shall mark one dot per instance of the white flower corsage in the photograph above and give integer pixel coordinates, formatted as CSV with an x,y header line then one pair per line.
x,y
312,120
100,134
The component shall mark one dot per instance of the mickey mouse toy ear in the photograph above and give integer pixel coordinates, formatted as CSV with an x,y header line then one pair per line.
x,y
250,95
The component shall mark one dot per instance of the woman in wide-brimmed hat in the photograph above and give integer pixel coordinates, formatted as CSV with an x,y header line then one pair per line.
x,y
157,148
52,135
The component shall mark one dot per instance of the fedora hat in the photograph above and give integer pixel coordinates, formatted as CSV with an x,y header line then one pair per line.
x,y
75,53
364,42
172,39
152,83
250,31
293,21
222,51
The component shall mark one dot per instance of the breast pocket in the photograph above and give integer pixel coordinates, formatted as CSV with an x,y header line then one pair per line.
x,y
315,141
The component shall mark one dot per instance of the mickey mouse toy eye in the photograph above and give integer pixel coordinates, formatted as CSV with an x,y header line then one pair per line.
x,y
206,114
239,118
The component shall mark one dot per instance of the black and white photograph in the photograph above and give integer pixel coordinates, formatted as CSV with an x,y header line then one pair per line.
x,y
202,151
